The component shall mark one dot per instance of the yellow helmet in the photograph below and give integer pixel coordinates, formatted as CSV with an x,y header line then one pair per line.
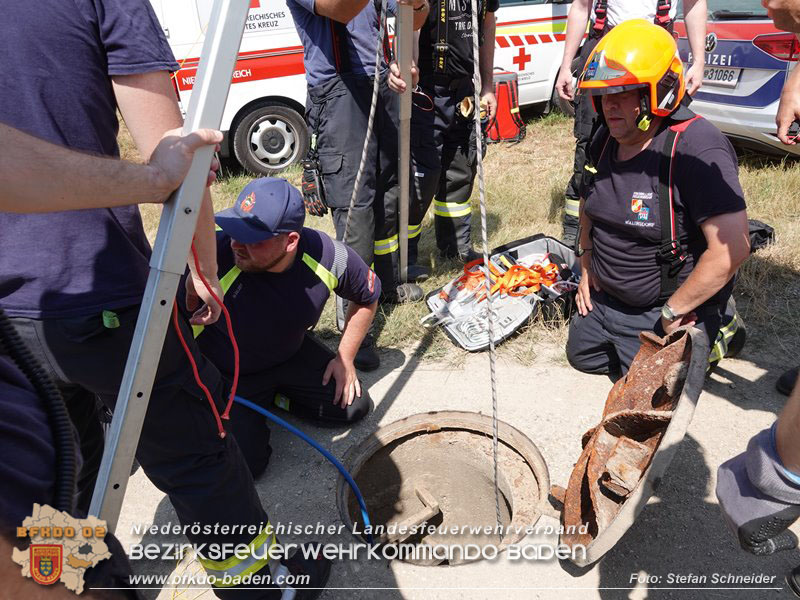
x,y
636,54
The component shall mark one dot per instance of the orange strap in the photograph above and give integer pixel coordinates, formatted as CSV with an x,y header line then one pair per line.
x,y
516,281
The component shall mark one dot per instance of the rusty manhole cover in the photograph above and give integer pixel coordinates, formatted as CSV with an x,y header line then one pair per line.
x,y
428,480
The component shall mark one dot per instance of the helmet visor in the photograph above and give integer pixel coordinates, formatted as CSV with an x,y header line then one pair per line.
x,y
604,76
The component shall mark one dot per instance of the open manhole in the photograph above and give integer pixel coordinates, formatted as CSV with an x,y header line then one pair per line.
x,y
428,481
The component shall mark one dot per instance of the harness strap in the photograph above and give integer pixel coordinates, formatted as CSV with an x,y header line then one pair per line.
x,y
662,12
671,253
600,14
662,18
440,48
341,53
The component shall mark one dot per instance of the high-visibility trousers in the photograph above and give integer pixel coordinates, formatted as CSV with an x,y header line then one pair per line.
x,y
444,164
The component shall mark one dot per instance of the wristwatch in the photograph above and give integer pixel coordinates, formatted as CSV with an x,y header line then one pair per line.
x,y
669,314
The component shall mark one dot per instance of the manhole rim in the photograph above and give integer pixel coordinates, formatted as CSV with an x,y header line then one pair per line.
x,y
355,458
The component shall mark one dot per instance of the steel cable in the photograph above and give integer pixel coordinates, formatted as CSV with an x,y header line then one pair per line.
x,y
491,316
370,121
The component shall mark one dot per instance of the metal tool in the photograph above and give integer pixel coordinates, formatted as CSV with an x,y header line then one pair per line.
x,y
405,39
407,527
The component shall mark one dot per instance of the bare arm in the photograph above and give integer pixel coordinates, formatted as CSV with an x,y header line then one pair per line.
x,y
728,246
787,433
149,106
695,16
42,177
357,321
395,81
421,10
583,298
343,11
486,59
577,19
789,107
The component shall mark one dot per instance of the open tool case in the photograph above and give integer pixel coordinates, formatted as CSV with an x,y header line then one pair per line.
x,y
525,282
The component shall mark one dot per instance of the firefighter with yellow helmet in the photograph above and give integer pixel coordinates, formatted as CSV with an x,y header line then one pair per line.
x,y
663,226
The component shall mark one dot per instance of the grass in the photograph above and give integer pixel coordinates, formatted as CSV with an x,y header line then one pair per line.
x,y
524,195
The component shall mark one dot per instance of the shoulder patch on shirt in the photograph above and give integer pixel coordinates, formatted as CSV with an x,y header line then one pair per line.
x,y
371,281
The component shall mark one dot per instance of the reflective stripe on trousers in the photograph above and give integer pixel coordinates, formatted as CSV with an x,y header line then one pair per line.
x,y
452,210
392,244
233,568
724,337
387,246
572,206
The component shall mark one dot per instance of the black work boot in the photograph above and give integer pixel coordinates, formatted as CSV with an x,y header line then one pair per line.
x,y
786,382
316,569
464,255
468,255
418,273
404,293
367,358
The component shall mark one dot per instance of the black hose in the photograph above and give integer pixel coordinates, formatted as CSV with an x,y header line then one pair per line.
x,y
60,424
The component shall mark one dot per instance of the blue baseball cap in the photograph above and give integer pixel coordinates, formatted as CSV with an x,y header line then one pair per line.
x,y
265,208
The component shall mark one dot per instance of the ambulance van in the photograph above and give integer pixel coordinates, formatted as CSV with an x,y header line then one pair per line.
x,y
263,120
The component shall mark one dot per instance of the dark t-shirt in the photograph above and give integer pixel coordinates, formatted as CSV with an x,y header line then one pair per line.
x,y
318,47
56,59
28,468
271,312
623,205
459,61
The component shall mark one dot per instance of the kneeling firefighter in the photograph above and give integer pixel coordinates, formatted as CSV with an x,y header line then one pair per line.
x,y
663,226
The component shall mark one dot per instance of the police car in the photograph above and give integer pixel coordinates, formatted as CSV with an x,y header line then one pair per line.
x,y
263,119
747,62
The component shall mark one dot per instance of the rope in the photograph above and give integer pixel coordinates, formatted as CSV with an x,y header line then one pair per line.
x,y
370,121
492,316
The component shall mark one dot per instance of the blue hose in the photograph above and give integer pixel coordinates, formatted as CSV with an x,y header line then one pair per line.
x,y
314,444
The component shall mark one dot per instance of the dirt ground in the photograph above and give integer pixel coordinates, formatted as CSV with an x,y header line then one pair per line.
x,y
679,534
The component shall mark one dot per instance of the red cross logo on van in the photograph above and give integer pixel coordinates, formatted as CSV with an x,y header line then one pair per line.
x,y
255,3
522,59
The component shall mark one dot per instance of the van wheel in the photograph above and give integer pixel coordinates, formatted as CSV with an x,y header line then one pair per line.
x,y
269,138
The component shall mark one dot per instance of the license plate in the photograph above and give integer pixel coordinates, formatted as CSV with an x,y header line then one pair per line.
x,y
720,76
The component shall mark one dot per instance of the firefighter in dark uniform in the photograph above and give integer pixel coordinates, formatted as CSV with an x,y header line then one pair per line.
x,y
339,40
443,143
606,15
663,221
277,276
